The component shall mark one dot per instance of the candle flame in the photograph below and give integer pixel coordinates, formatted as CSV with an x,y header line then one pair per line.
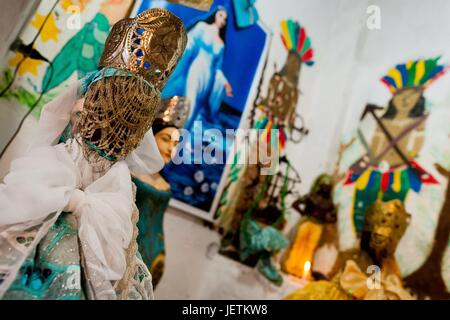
x,y
307,266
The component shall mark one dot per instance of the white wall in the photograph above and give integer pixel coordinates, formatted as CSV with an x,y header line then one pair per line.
x,y
333,27
13,15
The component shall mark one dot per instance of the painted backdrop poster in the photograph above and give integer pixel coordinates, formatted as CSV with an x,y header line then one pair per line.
x,y
216,73
401,150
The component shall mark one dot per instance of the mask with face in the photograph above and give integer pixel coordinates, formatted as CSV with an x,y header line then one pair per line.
x,y
383,227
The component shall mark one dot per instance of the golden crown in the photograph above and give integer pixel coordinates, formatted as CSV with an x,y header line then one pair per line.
x,y
149,45
174,111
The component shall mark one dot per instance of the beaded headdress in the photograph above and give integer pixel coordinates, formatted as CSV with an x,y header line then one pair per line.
x,y
174,111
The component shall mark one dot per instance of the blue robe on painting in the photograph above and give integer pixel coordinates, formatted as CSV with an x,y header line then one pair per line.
x,y
198,75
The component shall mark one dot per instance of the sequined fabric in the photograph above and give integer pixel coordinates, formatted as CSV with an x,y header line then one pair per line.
x,y
52,270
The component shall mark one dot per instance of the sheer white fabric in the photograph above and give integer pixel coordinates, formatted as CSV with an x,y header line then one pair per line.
x,y
38,184
13,253
55,116
44,181
53,179
146,159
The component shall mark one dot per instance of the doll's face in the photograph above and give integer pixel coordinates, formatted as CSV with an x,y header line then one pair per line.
x,y
221,19
323,186
387,225
167,140
406,99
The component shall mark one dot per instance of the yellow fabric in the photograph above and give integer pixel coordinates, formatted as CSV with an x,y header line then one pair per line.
x,y
350,284
355,282
319,290
302,248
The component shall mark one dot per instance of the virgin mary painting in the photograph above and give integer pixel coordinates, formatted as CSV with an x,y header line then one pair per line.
x,y
199,76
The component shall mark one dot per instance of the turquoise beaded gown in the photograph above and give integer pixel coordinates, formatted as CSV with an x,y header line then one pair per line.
x,y
52,271
152,203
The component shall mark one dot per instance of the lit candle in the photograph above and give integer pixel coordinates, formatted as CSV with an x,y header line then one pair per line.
x,y
306,269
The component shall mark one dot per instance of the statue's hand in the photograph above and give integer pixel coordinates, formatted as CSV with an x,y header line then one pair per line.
x,y
228,89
